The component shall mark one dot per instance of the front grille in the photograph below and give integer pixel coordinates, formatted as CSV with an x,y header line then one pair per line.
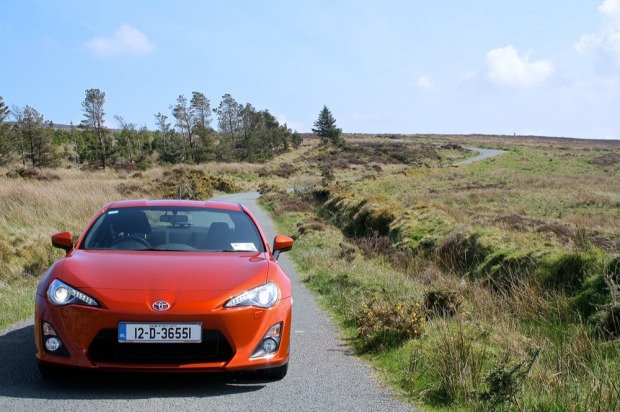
x,y
106,348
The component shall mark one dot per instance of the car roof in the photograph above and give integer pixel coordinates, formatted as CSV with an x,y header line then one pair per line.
x,y
209,204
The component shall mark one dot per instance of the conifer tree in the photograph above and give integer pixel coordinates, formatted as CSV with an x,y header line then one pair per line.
x,y
92,106
7,143
325,128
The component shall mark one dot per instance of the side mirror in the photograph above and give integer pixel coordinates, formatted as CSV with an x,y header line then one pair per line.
x,y
63,240
281,244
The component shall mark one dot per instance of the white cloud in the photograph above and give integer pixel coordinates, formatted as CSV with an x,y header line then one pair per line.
x,y
610,8
607,39
424,82
126,40
506,67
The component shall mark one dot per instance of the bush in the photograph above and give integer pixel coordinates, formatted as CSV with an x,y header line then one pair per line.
x,y
442,303
32,173
193,184
184,183
222,183
383,323
506,380
309,225
264,188
284,170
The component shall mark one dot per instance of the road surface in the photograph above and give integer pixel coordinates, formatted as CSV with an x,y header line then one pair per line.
x,y
323,373
482,155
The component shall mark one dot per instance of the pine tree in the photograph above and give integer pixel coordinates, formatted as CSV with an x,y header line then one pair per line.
x,y
325,128
34,137
92,106
7,141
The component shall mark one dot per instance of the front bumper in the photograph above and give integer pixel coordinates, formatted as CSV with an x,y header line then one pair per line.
x,y
89,337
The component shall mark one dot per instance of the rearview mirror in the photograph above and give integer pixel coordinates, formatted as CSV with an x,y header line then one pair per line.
x,y
174,219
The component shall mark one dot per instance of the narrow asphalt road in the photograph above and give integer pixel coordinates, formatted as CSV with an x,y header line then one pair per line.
x,y
482,155
323,374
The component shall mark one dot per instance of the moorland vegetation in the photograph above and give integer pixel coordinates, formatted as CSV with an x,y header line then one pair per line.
x,y
489,286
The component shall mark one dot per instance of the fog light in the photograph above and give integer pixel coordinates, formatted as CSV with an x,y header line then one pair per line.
x,y
270,345
52,344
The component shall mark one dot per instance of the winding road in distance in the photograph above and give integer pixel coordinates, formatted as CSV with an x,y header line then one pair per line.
x,y
482,155
323,375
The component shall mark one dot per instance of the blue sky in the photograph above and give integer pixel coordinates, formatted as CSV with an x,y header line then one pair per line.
x,y
537,67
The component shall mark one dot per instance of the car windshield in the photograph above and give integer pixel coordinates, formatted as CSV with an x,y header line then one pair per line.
x,y
174,229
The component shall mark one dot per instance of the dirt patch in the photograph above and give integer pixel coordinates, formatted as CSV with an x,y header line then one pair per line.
x,y
608,243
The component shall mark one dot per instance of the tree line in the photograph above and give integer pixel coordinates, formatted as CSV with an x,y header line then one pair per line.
x,y
184,135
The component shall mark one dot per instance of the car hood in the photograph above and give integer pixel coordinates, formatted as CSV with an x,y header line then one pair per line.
x,y
170,271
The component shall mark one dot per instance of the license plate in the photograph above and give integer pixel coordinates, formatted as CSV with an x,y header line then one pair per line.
x,y
160,332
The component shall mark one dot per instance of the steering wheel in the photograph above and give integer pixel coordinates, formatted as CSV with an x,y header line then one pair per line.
x,y
125,243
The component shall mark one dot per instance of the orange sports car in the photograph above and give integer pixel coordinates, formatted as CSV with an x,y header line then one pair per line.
x,y
166,285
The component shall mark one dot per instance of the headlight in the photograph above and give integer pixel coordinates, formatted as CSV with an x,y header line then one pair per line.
x,y
61,294
264,296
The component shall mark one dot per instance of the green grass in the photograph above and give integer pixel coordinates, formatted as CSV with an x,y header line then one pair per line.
x,y
453,363
506,239
17,302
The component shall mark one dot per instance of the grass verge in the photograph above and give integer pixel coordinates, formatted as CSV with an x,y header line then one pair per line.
x,y
463,298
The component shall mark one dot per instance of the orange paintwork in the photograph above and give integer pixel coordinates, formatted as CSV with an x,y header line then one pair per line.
x,y
196,284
